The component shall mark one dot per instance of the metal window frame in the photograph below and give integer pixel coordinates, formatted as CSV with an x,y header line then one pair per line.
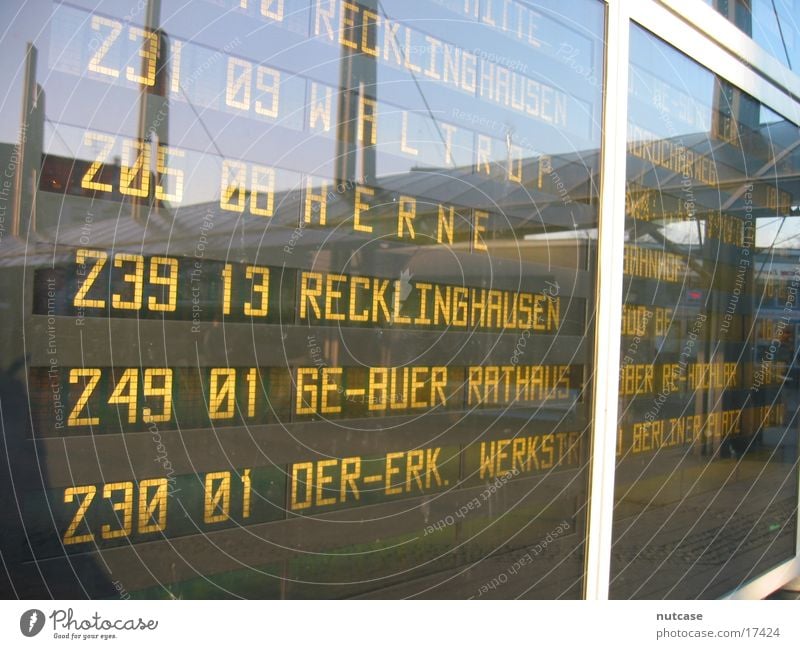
x,y
709,39
728,36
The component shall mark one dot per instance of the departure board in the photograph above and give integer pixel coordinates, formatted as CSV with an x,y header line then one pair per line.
x,y
301,298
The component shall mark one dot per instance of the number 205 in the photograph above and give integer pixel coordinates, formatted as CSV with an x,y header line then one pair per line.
x,y
135,168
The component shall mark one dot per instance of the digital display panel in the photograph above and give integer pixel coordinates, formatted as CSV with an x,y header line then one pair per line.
x,y
306,302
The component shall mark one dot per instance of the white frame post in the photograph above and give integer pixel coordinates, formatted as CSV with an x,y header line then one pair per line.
x,y
608,298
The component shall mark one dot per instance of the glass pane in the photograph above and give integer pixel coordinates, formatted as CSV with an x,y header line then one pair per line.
x,y
297,296
706,487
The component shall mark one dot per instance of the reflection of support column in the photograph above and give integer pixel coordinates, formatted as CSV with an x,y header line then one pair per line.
x,y
738,12
28,149
357,118
731,110
735,117
153,129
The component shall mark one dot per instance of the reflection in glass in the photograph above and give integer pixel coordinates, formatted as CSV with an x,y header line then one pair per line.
x,y
706,482
773,24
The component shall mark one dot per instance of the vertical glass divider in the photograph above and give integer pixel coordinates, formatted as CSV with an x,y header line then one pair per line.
x,y
610,245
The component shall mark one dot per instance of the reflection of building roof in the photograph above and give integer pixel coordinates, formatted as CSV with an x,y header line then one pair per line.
x,y
74,218
562,202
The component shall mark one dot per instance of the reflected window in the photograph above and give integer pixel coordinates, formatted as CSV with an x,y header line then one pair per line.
x,y
706,481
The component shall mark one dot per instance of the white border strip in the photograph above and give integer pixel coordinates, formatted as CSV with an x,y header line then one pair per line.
x,y
610,243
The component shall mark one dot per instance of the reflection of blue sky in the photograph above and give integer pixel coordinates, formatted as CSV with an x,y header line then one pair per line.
x,y
206,29
420,118
534,42
775,25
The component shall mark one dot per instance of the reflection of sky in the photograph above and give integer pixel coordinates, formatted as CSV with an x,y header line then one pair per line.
x,y
533,43
775,25
21,22
770,231
203,29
